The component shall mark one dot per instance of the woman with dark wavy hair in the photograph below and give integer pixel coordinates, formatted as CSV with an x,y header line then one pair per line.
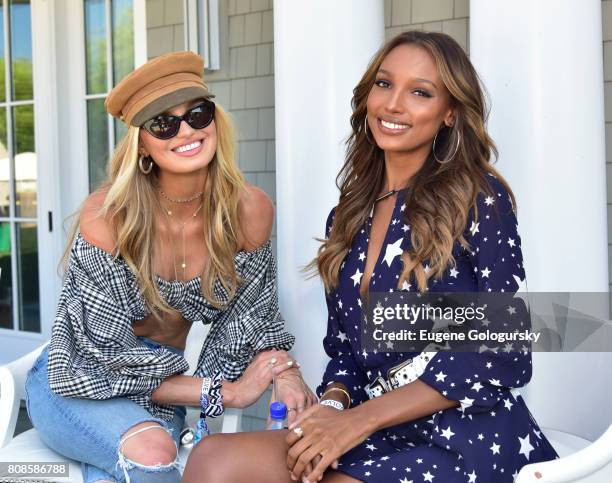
x,y
421,209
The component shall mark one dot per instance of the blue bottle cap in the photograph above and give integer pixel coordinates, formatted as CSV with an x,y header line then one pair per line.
x,y
278,410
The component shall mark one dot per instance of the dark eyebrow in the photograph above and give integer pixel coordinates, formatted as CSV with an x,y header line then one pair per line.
x,y
418,79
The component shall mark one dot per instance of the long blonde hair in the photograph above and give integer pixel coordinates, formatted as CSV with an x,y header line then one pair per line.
x,y
131,205
440,195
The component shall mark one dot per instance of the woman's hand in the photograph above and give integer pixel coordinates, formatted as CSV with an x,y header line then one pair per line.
x,y
258,376
291,389
320,436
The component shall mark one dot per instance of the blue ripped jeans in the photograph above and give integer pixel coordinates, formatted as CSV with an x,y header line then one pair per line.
x,y
91,431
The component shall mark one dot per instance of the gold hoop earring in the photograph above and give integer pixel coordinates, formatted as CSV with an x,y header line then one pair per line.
x,y
141,166
446,160
365,129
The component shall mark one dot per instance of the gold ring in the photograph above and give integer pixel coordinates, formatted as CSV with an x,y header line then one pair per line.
x,y
298,431
291,409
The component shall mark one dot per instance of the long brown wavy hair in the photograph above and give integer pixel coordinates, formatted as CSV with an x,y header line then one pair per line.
x,y
441,194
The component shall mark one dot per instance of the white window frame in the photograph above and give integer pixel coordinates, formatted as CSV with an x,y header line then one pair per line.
x,y
44,68
201,20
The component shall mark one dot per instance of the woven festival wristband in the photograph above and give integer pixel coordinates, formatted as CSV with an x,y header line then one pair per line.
x,y
201,426
333,403
348,396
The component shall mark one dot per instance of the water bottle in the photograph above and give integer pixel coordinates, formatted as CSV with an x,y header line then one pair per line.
x,y
278,414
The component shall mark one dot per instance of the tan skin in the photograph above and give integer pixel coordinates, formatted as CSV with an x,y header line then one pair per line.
x,y
180,176
408,92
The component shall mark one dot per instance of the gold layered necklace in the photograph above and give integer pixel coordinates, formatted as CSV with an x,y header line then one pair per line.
x,y
182,225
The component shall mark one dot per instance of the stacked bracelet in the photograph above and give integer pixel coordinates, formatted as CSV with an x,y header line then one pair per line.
x,y
348,396
211,404
333,403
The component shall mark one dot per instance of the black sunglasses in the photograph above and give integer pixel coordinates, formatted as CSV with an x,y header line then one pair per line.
x,y
166,126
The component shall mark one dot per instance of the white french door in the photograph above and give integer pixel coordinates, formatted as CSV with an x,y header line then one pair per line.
x,y
58,60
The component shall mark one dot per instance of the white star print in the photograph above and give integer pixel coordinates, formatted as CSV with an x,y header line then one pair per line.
x,y
466,403
472,476
507,404
474,228
405,228
495,448
447,433
526,447
341,372
342,336
511,242
494,382
486,272
392,251
403,207
480,437
489,200
440,376
405,480
428,476
357,277
477,386
362,256
368,463
454,272
371,447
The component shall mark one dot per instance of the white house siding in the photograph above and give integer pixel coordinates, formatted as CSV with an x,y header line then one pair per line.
x,y
245,83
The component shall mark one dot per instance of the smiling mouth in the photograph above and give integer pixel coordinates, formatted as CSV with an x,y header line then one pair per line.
x,y
188,147
393,126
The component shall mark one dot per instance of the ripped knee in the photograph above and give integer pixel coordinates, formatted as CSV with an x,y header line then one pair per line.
x,y
148,444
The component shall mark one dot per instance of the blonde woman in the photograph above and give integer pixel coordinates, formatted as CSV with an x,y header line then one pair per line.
x,y
174,237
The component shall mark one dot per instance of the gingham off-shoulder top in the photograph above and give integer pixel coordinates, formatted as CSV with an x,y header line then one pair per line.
x,y
94,353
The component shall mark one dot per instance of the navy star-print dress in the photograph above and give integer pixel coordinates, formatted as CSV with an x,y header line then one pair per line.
x,y
492,435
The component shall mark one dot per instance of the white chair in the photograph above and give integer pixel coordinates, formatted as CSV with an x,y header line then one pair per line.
x,y
570,392
27,446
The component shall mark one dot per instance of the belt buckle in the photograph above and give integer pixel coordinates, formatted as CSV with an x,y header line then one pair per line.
x,y
376,388
401,374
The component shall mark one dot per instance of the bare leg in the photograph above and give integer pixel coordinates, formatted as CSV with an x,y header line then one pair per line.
x,y
235,458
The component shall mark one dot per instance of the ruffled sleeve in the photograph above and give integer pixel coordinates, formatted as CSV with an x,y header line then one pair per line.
x,y
93,351
250,323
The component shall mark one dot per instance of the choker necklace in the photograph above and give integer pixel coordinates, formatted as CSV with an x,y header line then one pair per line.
x,y
181,200
182,225
386,195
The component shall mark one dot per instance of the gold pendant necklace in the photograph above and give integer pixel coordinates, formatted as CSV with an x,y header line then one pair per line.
x,y
182,225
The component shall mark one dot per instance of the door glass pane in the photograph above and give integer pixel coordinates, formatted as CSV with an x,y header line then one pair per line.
x,y
123,39
27,263
120,130
2,59
21,49
6,289
97,141
5,184
95,46
25,162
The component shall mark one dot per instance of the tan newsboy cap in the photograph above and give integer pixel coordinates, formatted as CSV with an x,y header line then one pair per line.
x,y
158,85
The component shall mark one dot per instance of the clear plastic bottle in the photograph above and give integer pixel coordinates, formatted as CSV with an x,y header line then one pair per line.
x,y
278,414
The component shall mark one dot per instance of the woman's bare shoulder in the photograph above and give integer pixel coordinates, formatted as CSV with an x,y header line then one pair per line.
x,y
256,213
94,227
